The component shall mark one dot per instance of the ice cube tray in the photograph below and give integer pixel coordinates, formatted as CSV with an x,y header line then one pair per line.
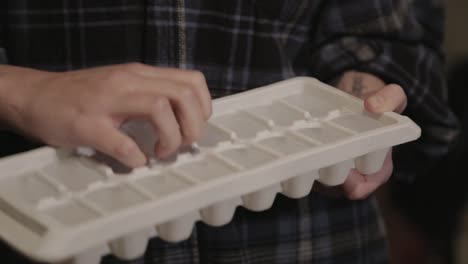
x,y
57,206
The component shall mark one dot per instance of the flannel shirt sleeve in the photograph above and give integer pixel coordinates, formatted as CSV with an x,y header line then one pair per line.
x,y
3,55
400,42
3,59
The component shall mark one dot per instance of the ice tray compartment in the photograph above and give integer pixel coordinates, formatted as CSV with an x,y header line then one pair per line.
x,y
163,184
248,157
335,174
220,213
361,122
324,133
262,199
300,185
92,256
286,144
241,123
178,229
30,188
72,213
131,246
212,136
279,113
316,107
372,162
206,169
73,174
115,198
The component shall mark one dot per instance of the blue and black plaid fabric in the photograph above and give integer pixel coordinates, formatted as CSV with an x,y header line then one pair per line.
x,y
239,45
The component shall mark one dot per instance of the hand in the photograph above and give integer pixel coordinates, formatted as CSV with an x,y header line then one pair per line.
x,y
87,107
378,98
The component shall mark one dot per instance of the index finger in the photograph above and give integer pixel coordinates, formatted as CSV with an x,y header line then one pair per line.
x,y
194,79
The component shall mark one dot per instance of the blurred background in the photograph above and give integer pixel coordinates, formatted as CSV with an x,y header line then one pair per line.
x,y
456,30
427,220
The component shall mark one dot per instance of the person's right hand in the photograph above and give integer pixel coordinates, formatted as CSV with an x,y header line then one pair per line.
x,y
87,107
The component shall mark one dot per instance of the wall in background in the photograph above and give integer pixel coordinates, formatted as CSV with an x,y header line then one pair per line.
x,y
456,30
456,45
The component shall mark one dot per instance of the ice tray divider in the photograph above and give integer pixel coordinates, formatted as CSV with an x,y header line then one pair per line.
x,y
304,112
266,121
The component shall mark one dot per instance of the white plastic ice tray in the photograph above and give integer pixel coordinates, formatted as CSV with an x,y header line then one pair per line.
x,y
57,206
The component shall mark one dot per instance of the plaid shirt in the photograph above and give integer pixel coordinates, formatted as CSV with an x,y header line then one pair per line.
x,y
239,45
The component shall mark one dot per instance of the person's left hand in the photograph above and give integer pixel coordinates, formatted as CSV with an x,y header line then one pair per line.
x,y
379,98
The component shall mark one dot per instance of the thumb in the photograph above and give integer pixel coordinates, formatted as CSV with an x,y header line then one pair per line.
x,y
390,98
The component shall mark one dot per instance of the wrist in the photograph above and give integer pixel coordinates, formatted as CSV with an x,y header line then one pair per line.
x,y
6,100
14,82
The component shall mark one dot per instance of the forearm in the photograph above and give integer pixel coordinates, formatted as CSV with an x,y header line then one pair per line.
x,y
12,139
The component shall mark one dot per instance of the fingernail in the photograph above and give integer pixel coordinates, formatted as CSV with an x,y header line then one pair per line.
x,y
376,101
